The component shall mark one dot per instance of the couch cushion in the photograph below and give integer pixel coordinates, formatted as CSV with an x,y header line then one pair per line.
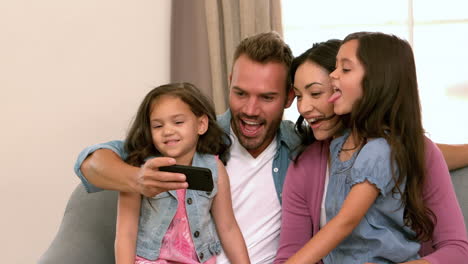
x,y
460,183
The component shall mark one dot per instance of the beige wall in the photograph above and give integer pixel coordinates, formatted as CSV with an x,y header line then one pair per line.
x,y
72,73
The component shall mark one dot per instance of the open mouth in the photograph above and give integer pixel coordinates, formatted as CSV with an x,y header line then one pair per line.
x,y
250,128
316,120
171,142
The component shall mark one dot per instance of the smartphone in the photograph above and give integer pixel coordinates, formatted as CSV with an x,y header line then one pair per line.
x,y
198,178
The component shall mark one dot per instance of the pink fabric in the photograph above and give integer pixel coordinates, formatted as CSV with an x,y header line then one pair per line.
x,y
303,191
177,245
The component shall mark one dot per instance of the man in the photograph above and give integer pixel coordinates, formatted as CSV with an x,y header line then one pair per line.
x,y
260,154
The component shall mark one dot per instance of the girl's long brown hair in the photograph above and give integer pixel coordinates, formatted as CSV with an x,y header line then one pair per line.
x,y
139,143
390,108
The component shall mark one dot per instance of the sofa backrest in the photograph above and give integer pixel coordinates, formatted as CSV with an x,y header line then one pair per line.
x,y
87,231
460,183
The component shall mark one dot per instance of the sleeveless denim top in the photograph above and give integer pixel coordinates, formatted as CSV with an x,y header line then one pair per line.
x,y
156,217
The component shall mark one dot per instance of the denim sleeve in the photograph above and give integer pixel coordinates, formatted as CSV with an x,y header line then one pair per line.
x,y
373,164
116,146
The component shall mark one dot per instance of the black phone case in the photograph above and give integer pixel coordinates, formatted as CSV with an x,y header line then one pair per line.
x,y
198,178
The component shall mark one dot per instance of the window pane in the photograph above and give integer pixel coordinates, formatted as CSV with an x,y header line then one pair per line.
x,y
441,59
440,46
431,10
306,22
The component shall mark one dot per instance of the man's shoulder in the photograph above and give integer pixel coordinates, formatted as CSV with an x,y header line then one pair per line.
x,y
224,121
288,135
287,125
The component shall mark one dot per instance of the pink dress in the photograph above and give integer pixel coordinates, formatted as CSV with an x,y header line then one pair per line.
x,y
177,245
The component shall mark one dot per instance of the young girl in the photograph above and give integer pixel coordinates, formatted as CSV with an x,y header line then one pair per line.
x,y
374,207
178,121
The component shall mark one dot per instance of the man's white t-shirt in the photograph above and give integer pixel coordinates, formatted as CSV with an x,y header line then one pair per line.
x,y
255,201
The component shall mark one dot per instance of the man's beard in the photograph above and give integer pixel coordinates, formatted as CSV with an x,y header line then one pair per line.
x,y
254,143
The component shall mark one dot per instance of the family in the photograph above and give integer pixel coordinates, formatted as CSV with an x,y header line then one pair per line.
x,y
354,180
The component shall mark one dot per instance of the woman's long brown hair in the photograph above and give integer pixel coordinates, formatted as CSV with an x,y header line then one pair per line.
x,y
390,108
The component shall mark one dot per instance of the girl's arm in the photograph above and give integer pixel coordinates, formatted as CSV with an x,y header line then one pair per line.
x,y
226,224
357,203
128,211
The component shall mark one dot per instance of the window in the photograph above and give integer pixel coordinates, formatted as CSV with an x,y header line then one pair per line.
x,y
437,30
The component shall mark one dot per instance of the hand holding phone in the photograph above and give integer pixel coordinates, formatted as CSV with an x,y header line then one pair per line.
x,y
198,178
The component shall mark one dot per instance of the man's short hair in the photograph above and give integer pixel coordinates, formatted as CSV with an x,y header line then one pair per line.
x,y
264,48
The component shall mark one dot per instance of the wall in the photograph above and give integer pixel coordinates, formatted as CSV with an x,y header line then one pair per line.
x,y
72,73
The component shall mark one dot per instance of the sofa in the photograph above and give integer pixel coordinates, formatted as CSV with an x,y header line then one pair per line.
x,y
86,234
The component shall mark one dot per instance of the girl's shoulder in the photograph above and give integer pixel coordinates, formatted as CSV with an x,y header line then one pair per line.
x,y
376,151
373,163
376,146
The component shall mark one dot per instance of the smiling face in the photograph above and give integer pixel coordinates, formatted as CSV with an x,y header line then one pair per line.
x,y
312,87
347,78
257,100
175,128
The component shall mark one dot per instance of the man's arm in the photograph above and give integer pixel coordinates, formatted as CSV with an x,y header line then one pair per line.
x,y
106,170
456,156
102,166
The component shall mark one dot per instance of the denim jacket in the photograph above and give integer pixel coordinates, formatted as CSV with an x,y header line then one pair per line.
x,y
156,216
287,141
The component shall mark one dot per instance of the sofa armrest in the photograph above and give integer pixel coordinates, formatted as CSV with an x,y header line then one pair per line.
x,y
87,231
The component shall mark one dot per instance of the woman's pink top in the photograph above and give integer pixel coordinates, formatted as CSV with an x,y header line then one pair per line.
x,y
303,191
177,245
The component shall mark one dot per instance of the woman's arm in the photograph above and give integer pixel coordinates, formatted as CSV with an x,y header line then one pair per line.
x,y
303,191
226,224
357,203
456,156
128,212
296,220
449,239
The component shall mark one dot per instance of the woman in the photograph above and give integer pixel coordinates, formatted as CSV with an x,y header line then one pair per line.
x,y
306,181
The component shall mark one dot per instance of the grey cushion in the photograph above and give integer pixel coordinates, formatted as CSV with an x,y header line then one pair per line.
x,y
87,231
460,182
